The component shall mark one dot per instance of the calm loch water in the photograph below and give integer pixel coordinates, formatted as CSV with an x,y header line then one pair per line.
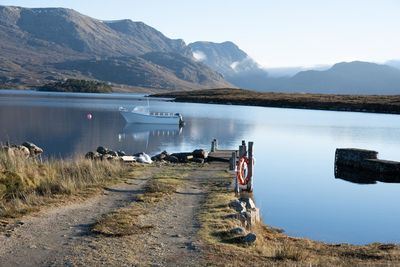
x,y
294,149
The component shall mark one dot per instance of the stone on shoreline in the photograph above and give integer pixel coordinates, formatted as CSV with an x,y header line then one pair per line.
x,y
33,149
250,238
238,205
249,202
172,159
102,150
26,150
160,156
237,231
200,153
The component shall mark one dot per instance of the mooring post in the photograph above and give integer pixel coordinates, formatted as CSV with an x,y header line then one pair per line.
x,y
237,189
232,162
216,144
213,145
242,149
250,167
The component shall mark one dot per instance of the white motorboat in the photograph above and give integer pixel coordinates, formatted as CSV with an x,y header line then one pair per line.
x,y
140,115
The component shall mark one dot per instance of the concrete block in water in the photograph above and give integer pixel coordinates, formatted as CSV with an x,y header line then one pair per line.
x,y
365,161
353,157
382,166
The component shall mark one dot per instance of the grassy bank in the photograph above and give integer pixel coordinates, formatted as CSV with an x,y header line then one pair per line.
x,y
371,103
25,185
274,248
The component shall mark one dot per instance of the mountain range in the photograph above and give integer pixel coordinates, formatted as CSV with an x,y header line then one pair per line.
x,y
342,78
40,45
45,44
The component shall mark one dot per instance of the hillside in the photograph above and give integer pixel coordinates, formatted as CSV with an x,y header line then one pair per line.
x,y
343,78
38,42
228,59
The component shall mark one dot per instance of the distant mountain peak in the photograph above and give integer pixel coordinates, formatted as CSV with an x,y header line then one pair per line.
x,y
226,57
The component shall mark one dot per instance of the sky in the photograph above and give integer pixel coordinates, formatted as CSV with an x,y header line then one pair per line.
x,y
282,33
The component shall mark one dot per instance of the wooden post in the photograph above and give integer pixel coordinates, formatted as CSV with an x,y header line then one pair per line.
x,y
213,145
216,144
237,189
250,167
242,149
232,162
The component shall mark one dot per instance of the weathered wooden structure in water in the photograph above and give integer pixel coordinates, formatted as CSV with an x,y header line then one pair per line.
x,y
358,163
241,163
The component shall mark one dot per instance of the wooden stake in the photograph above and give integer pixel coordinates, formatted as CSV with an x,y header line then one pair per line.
x,y
250,167
232,162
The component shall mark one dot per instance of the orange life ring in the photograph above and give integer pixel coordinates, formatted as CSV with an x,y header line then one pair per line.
x,y
242,172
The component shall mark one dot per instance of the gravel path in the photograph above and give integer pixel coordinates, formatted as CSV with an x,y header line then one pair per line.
x,y
61,236
172,242
48,235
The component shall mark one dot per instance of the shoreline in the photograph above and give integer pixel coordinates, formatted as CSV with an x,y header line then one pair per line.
x,y
382,104
207,227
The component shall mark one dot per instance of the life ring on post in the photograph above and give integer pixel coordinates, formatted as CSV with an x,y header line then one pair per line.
x,y
242,173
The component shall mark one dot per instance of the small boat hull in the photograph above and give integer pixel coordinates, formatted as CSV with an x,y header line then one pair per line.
x,y
133,117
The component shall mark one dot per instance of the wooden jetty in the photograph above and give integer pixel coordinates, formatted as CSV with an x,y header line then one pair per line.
x,y
241,161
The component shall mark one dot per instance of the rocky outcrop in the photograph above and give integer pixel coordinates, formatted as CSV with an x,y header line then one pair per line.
x,y
103,153
34,150
248,215
197,156
26,150
246,210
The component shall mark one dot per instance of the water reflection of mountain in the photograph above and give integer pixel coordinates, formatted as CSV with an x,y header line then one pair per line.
x,y
65,132
363,177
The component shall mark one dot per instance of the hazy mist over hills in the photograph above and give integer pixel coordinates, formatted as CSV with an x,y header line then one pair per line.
x,y
343,78
228,59
39,45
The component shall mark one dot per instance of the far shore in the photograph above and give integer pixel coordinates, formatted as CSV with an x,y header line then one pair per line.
x,y
389,104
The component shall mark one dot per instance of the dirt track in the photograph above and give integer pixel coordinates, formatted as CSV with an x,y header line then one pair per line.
x,y
61,236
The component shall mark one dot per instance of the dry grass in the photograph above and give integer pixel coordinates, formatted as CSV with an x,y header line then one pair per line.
x,y
25,185
164,182
272,246
122,222
370,103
